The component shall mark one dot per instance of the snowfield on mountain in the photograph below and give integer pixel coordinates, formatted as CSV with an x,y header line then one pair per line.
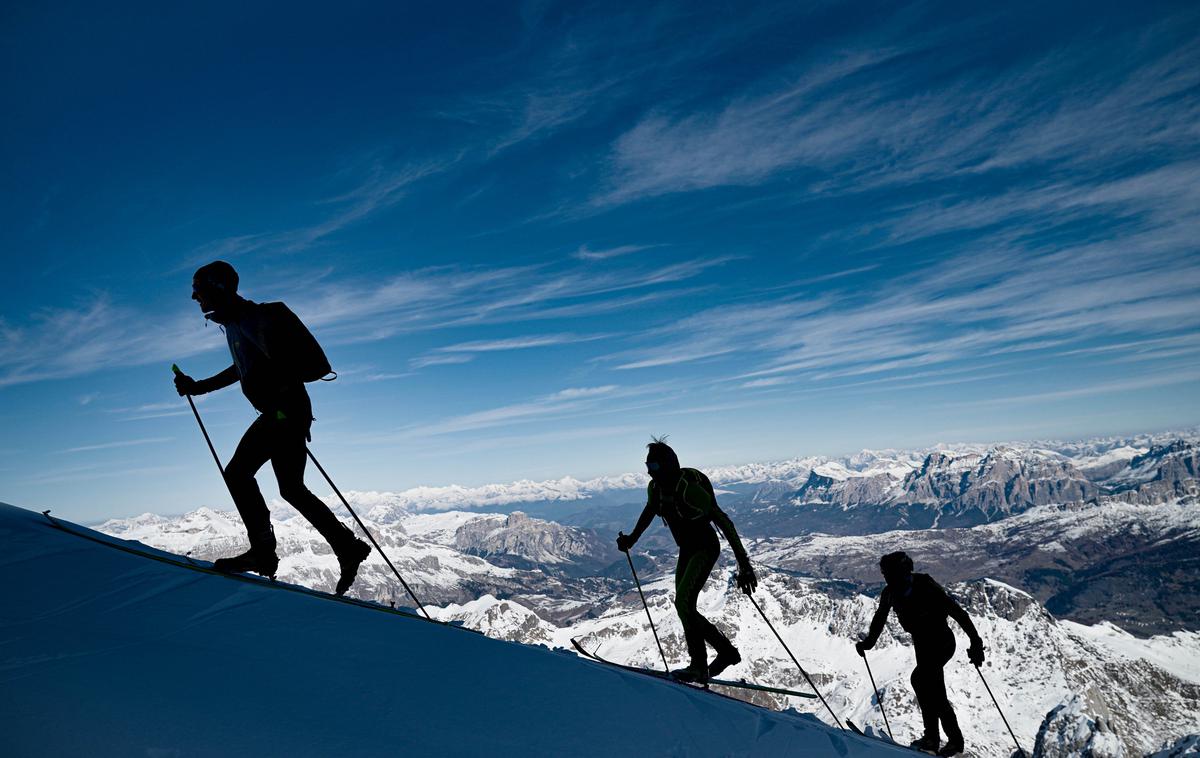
x,y
111,654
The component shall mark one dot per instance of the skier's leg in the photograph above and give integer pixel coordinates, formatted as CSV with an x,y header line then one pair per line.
x,y
252,452
938,690
690,575
289,457
926,698
711,634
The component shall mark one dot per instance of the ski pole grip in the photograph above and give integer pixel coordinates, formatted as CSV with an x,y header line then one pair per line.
x,y
175,369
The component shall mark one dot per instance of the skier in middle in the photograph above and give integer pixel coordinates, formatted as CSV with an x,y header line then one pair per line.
x,y
923,607
685,499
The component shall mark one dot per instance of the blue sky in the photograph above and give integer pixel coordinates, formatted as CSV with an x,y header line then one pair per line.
x,y
530,235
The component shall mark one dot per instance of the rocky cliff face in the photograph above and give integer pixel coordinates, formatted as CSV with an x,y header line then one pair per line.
x,y
975,489
1162,473
1072,729
1189,745
517,537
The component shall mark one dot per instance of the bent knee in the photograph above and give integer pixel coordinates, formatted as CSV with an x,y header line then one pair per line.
x,y
294,492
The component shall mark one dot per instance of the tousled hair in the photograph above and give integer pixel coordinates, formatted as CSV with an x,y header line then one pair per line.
x,y
659,450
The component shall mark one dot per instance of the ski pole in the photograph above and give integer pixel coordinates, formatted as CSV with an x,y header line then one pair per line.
x,y
807,678
368,533
877,698
196,413
646,605
1020,751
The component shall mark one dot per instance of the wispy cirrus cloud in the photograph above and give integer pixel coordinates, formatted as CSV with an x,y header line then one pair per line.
x,y
116,444
550,406
999,298
380,188
869,118
585,253
465,352
56,343
101,334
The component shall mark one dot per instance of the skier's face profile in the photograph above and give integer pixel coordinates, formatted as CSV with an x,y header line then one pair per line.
x,y
210,295
897,578
659,470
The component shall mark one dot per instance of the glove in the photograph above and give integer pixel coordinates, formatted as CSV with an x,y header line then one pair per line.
x,y
186,385
624,542
747,582
862,646
975,653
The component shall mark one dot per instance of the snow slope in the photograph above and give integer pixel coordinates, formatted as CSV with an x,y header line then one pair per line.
x,y
106,653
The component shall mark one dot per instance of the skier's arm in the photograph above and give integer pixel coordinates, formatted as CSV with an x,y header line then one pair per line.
x,y
218,381
958,614
186,385
643,522
880,618
626,541
725,524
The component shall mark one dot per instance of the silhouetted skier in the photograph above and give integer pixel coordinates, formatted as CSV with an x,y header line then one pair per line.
x,y
273,355
684,498
923,607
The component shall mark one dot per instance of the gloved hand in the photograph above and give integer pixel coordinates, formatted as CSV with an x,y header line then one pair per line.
x,y
186,385
747,582
975,653
862,646
624,542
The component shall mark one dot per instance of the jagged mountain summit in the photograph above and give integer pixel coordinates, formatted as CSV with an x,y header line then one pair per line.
x,y
106,653
871,491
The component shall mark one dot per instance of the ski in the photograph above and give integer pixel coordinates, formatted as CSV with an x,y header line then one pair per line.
x,y
854,728
663,675
143,551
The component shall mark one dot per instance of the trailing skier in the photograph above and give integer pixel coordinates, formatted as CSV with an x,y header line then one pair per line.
x,y
273,356
685,500
923,607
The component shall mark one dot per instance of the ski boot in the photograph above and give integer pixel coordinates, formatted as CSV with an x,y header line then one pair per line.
x,y
951,748
724,660
696,673
349,559
259,560
926,744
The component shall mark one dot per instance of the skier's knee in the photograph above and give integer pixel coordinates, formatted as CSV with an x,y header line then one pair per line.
x,y
238,478
684,608
294,491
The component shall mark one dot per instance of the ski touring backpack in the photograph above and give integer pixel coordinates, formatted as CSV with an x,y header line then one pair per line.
x,y
293,345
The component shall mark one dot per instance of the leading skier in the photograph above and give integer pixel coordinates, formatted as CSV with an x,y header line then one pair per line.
x,y
685,500
923,607
269,345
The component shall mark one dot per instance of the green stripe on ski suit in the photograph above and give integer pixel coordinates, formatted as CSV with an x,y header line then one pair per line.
x,y
694,493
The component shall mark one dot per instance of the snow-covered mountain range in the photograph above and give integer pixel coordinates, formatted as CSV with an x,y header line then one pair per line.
x,y
1103,534
1145,691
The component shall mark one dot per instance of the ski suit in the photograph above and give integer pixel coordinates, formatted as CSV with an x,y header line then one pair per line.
x,y
256,333
922,610
690,509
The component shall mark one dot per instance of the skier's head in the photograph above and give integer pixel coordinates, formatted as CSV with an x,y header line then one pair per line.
x,y
897,568
214,286
661,462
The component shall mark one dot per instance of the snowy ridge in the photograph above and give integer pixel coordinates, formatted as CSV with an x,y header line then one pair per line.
x,y
111,654
1036,664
